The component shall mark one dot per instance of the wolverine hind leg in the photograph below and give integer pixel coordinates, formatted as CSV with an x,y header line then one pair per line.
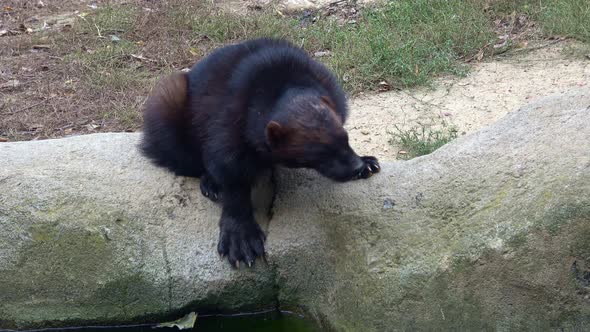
x,y
167,138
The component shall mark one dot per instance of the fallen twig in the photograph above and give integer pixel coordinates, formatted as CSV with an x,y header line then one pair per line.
x,y
142,58
31,106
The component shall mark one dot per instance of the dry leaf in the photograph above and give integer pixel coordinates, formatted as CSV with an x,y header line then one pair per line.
x,y
92,126
186,322
194,51
480,55
12,84
402,152
141,57
501,44
3,139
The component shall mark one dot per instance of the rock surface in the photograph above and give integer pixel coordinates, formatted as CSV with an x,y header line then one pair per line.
x,y
491,231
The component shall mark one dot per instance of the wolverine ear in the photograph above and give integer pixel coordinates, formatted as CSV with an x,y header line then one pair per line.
x,y
328,101
274,133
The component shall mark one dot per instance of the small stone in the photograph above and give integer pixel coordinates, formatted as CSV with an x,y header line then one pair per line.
x,y
388,204
322,54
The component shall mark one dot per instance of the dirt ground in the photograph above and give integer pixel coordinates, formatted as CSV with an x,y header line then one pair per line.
x,y
29,71
486,94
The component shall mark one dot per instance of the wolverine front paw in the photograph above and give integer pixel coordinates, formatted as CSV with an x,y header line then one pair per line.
x,y
209,188
240,241
371,166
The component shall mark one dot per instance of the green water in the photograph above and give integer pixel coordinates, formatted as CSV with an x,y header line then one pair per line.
x,y
270,322
266,322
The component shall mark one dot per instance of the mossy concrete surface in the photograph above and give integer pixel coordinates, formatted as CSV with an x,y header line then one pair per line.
x,y
490,232
91,233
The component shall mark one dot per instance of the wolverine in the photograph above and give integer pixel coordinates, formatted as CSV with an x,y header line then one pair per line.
x,y
240,111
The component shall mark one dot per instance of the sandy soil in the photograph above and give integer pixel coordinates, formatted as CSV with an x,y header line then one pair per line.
x,y
486,94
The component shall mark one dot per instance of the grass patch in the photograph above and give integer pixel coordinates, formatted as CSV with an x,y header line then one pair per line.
x,y
405,43
91,77
569,18
422,139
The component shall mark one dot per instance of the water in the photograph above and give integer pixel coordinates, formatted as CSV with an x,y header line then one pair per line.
x,y
265,322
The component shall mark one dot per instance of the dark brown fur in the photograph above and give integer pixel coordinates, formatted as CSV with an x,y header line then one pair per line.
x,y
240,111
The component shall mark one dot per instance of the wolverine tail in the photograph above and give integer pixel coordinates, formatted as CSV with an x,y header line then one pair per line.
x,y
167,139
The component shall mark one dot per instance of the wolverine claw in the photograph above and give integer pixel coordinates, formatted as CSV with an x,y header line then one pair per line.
x,y
209,188
241,242
371,166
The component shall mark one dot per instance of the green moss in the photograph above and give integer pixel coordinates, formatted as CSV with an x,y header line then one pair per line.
x,y
63,260
132,296
451,308
497,201
44,232
580,245
563,215
517,241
